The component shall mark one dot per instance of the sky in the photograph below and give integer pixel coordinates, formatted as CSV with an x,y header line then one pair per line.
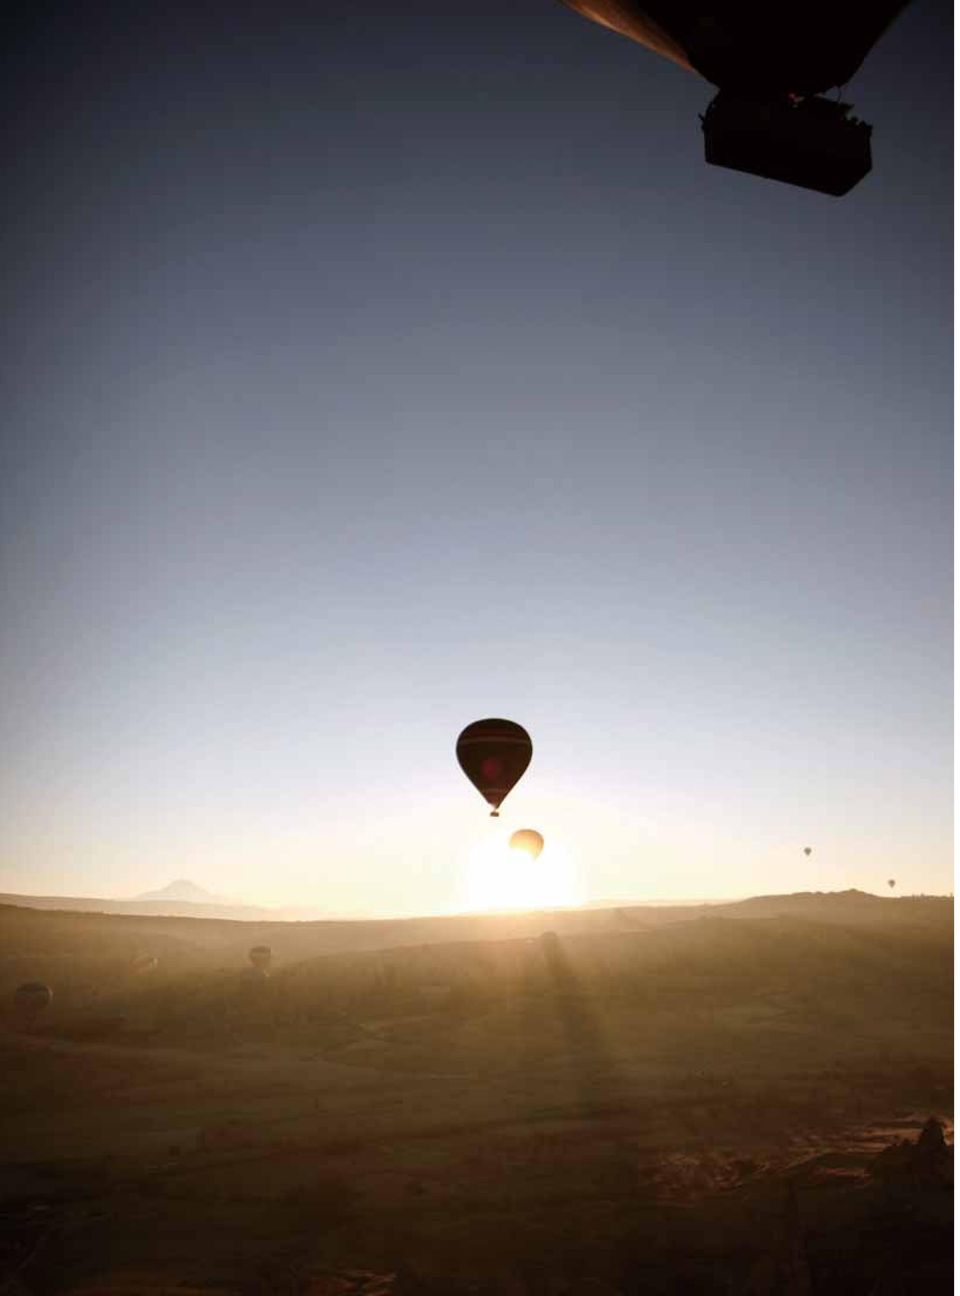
x,y
373,369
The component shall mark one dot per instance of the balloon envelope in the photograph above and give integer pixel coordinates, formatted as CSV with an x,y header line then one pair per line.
x,y
494,754
892,883
753,50
808,850
527,839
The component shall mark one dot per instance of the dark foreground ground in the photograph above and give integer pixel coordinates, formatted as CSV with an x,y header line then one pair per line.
x,y
727,1103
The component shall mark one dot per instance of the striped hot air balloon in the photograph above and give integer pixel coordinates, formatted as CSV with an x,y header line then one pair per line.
x,y
494,754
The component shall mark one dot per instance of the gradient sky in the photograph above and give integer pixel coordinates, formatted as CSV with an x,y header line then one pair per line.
x,y
372,369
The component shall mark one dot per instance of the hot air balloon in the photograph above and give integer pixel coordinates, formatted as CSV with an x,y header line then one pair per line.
x,y
261,956
494,754
769,64
527,839
808,850
891,883
31,999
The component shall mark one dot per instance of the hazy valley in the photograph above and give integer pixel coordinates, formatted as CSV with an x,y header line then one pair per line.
x,y
657,1100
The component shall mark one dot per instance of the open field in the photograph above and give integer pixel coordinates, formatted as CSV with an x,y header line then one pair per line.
x,y
607,1101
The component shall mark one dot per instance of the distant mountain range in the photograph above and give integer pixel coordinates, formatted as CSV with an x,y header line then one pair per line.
x,y
179,899
183,891
184,899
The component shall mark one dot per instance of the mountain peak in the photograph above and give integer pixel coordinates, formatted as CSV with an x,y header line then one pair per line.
x,y
182,889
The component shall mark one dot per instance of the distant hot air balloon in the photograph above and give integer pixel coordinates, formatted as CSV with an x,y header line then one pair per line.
x,y
891,883
261,956
527,839
768,63
494,754
31,999
808,850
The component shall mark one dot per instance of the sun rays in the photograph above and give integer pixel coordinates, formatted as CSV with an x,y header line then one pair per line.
x,y
494,876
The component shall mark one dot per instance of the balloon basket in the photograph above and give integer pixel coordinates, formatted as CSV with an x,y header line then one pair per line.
x,y
810,142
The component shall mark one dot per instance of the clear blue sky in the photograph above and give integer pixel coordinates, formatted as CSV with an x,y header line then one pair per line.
x,y
374,373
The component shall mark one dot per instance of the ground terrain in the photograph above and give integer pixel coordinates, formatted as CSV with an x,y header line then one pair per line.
x,y
722,1100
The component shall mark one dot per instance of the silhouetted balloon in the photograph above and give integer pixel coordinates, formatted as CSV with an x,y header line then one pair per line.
x,y
527,839
261,957
752,50
32,998
771,64
891,883
808,850
494,754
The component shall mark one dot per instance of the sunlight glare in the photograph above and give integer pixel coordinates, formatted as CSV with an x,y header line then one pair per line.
x,y
494,876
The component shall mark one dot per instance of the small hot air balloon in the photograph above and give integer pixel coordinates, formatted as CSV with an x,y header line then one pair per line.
x,y
494,754
527,839
808,850
891,883
31,999
261,956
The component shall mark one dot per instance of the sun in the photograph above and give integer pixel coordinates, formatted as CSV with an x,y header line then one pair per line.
x,y
495,877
